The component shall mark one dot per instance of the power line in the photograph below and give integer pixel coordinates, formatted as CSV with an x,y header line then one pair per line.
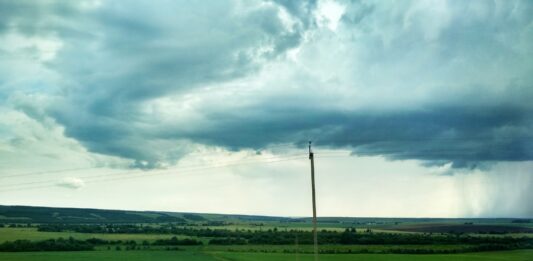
x,y
240,161
331,143
194,155
84,168
429,151
326,154
230,163
109,177
128,177
46,172
190,155
202,169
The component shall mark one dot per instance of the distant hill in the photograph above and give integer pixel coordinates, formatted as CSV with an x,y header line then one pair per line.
x,y
27,214
23,214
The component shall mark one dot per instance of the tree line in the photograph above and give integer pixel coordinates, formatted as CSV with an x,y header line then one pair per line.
x,y
59,244
72,244
287,237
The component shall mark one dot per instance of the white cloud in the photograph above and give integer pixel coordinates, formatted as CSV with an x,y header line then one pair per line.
x,y
71,183
329,13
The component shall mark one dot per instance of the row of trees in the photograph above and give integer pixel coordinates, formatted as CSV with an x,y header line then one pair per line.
x,y
72,244
59,244
275,237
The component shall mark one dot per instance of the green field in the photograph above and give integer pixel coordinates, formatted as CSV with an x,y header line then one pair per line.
x,y
520,255
131,236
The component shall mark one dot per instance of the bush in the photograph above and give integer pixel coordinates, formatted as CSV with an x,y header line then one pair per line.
x,y
227,241
174,241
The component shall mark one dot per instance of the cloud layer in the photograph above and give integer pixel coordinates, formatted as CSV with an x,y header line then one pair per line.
x,y
439,81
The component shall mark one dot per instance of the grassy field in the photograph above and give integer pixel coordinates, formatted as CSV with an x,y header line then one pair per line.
x,y
31,233
510,255
520,255
326,248
11,234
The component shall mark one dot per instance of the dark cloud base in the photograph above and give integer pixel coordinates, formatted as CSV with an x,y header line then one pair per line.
x,y
461,135
466,136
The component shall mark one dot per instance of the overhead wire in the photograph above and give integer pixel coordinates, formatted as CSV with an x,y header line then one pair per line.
x,y
106,177
116,175
46,172
206,168
126,177
190,155
240,161
194,155
135,172
295,145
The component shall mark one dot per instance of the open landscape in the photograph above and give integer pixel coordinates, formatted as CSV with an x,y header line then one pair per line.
x,y
38,233
266,130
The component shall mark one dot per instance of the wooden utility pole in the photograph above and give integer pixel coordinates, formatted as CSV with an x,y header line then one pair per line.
x,y
315,239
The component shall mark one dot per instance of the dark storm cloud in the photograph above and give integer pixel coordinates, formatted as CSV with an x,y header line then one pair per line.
x,y
466,65
462,135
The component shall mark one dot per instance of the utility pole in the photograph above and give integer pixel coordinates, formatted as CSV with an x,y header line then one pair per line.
x,y
315,239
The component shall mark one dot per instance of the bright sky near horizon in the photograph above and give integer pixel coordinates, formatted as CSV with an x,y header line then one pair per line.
x,y
416,108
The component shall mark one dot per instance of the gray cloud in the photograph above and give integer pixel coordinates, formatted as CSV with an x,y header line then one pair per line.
x,y
147,82
462,135
115,59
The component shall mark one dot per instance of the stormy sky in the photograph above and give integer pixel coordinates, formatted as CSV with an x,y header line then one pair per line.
x,y
415,108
